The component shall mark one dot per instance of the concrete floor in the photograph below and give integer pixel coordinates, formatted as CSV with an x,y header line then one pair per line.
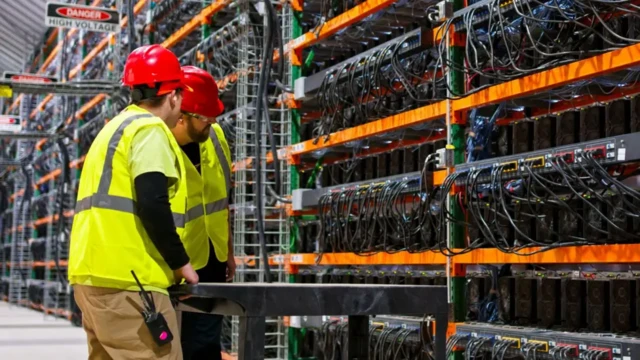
x,y
26,335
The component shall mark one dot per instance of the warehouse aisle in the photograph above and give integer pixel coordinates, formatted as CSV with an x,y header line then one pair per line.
x,y
26,335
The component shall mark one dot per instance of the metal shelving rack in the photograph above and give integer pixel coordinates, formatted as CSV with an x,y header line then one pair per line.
x,y
84,93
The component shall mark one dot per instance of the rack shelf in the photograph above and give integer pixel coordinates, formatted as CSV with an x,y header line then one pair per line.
x,y
577,103
588,254
399,258
372,129
336,24
75,164
536,83
608,62
195,23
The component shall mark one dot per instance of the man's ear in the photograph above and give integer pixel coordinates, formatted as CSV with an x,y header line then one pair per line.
x,y
173,98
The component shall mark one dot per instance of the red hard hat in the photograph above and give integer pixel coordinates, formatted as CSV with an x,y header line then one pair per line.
x,y
200,93
150,65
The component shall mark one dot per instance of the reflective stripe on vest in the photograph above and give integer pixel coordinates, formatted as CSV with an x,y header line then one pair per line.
x,y
101,199
197,211
221,158
194,213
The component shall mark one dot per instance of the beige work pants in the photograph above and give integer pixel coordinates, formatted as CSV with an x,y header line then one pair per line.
x,y
115,329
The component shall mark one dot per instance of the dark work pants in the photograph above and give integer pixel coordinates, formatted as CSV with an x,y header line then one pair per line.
x,y
200,334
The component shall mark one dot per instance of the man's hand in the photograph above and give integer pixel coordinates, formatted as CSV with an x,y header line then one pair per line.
x,y
231,268
186,272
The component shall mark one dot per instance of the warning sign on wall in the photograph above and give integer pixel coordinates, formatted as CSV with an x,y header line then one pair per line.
x,y
21,77
10,123
82,17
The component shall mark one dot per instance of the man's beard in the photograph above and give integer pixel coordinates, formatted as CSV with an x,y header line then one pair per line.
x,y
197,136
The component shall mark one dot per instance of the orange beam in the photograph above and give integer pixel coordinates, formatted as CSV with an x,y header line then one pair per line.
x,y
40,143
49,264
248,163
90,56
394,145
226,356
598,65
576,103
52,37
48,219
50,176
15,103
195,23
378,127
399,258
591,254
55,173
41,106
87,107
75,164
349,17
562,75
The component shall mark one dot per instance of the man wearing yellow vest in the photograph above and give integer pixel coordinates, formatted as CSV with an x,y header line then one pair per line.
x,y
123,222
204,227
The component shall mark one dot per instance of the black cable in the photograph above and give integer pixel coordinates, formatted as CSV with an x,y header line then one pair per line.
x,y
60,202
262,87
132,26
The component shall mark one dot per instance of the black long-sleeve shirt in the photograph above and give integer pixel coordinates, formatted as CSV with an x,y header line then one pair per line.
x,y
154,211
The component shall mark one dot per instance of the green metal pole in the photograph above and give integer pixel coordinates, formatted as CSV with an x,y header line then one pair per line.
x,y
457,140
296,72
206,31
152,37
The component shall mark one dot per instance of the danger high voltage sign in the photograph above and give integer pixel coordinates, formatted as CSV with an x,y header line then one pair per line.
x,y
82,17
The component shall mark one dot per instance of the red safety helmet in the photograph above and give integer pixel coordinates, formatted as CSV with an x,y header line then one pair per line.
x,y
151,65
200,95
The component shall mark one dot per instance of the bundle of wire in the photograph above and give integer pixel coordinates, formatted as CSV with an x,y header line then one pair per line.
x,y
375,86
388,217
385,343
502,210
533,35
220,49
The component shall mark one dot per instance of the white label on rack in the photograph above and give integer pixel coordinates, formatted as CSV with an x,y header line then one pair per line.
x,y
278,259
299,40
298,147
296,259
10,123
295,322
622,154
282,154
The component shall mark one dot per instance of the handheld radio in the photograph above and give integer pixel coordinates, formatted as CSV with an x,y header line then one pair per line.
x,y
154,320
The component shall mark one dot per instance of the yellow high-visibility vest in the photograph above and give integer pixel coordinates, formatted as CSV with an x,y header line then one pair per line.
x,y
207,210
107,237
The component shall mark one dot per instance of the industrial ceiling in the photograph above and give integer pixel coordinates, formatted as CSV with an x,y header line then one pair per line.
x,y
21,29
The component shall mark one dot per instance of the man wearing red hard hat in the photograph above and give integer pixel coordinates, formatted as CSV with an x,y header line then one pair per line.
x,y
123,235
205,225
